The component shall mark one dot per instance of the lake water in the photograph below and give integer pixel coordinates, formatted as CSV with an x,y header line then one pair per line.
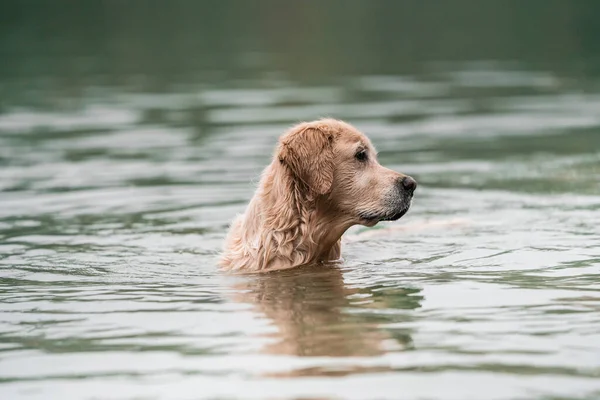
x,y
115,197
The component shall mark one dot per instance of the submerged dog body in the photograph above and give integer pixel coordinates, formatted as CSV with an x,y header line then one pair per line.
x,y
323,179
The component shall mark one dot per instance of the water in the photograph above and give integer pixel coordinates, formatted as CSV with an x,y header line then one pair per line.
x,y
116,190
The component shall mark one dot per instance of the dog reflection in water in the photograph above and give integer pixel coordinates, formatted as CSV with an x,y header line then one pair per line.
x,y
316,314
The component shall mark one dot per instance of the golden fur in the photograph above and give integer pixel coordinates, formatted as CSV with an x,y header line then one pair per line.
x,y
317,186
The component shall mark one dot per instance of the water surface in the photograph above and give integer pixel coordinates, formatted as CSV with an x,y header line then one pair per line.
x,y
115,198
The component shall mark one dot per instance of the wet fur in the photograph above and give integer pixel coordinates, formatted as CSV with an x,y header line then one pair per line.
x,y
310,194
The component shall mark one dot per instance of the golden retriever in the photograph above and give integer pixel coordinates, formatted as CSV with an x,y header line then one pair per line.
x,y
324,178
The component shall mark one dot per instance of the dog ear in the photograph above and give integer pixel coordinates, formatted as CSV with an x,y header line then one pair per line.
x,y
308,152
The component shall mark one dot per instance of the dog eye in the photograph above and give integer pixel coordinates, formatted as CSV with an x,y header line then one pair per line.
x,y
361,155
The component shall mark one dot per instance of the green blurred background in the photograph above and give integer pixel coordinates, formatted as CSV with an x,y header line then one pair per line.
x,y
167,42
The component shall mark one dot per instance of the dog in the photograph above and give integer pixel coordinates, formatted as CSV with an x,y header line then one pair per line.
x,y
323,179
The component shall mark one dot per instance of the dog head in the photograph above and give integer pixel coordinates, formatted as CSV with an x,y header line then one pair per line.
x,y
337,164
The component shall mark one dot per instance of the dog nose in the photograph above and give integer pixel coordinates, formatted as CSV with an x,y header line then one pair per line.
x,y
409,184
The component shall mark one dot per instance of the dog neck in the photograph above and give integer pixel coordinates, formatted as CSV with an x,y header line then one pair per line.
x,y
290,225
